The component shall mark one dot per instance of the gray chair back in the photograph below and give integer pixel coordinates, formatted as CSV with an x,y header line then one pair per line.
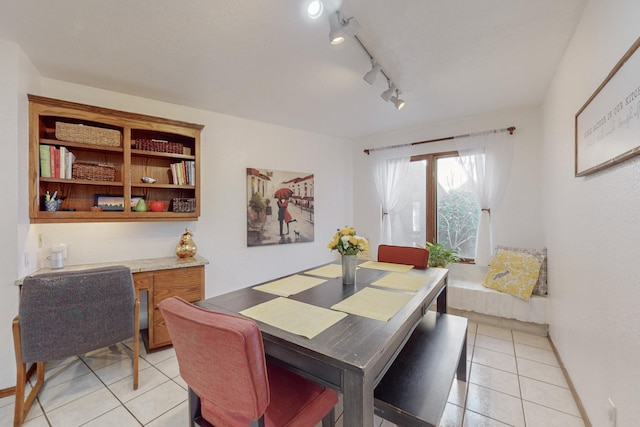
x,y
69,313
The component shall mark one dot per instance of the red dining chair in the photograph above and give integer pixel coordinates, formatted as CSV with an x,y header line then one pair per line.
x,y
418,257
221,358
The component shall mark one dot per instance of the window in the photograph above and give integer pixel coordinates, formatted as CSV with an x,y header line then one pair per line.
x,y
443,207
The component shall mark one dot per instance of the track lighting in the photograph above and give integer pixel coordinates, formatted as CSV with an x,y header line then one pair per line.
x,y
315,8
370,77
399,103
341,28
386,95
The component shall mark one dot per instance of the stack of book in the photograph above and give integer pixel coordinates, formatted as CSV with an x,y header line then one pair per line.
x,y
184,173
56,162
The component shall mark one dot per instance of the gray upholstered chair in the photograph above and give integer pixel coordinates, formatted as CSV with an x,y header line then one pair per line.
x,y
68,313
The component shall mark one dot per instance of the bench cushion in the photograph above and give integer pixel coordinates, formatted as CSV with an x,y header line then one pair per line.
x,y
465,292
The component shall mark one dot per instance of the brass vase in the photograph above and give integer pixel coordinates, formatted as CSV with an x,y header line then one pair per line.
x,y
187,247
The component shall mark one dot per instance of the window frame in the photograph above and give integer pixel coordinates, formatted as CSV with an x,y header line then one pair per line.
x,y
431,187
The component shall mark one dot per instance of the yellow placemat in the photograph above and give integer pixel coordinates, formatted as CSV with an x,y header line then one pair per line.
x,y
373,303
293,316
289,285
387,266
332,271
402,281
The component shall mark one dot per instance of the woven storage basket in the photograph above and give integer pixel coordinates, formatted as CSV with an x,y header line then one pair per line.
x,y
184,205
87,134
93,171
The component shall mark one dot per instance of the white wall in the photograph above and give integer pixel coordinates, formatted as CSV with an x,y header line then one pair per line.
x,y
229,146
516,221
592,228
17,76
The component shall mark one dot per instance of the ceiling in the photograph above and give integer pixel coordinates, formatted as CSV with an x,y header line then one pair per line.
x,y
266,60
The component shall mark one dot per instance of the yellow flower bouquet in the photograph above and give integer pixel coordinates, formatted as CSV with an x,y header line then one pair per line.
x,y
347,242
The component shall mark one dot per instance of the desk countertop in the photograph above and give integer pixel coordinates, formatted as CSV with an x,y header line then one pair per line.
x,y
136,265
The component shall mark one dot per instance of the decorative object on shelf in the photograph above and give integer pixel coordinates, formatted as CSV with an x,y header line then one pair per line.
x,y
439,256
93,171
148,180
349,244
184,205
156,206
141,206
109,202
87,134
187,247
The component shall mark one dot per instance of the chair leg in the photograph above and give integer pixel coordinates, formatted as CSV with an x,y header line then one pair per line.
x,y
23,406
136,341
329,420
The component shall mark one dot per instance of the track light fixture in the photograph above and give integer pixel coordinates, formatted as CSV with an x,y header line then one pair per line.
x,y
399,103
315,9
386,95
370,77
340,28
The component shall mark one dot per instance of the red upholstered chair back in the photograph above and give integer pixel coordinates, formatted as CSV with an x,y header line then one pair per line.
x,y
221,358
418,257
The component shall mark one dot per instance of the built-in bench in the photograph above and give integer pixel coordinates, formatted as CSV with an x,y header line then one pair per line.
x,y
467,297
415,388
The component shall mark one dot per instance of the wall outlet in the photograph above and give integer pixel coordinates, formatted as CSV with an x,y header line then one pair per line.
x,y
612,413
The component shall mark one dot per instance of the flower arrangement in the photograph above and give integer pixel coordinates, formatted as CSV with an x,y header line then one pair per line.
x,y
347,242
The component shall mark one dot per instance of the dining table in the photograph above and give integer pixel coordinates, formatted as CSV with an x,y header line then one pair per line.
x,y
352,353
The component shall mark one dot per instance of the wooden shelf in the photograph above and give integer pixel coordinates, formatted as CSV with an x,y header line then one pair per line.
x,y
130,164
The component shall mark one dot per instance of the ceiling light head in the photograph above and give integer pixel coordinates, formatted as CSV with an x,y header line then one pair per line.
x,y
386,95
397,102
341,28
370,77
315,9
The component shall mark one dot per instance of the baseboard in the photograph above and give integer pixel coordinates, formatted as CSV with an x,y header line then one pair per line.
x,y
581,409
501,322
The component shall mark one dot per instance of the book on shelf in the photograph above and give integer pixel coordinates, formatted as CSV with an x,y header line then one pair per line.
x,y
56,162
184,173
45,162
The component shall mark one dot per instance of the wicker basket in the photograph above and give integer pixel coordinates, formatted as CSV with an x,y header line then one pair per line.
x,y
184,205
93,171
87,134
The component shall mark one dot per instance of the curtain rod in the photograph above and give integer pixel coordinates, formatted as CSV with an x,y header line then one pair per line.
x,y
510,129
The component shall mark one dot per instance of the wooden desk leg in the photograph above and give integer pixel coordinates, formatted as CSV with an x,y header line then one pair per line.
x,y
357,401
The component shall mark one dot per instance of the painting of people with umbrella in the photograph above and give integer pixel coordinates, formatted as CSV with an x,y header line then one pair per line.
x,y
293,194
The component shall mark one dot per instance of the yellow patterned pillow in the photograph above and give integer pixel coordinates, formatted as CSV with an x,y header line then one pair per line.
x,y
515,273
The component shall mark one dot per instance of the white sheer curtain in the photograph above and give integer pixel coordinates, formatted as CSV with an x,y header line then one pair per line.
x,y
486,158
390,172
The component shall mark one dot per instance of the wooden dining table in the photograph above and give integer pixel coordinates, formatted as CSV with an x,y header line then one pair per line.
x,y
352,355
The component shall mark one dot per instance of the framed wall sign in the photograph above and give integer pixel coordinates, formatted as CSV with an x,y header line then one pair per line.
x,y
607,127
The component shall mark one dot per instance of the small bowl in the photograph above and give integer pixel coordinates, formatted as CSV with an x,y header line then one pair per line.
x,y
148,180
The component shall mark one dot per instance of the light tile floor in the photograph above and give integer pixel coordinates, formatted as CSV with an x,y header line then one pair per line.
x,y
514,380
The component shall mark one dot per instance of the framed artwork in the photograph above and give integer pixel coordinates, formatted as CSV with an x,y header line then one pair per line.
x,y
280,207
607,127
109,202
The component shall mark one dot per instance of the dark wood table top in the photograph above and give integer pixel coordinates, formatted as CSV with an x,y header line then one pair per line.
x,y
354,352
